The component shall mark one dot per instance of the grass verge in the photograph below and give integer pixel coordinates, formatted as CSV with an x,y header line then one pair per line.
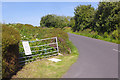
x,y
92,35
48,69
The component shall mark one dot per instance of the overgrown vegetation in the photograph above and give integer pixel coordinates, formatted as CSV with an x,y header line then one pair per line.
x,y
93,35
48,69
11,37
104,19
83,17
10,51
28,32
102,23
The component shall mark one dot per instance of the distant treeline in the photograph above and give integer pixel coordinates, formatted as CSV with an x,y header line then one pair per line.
x,y
52,20
103,20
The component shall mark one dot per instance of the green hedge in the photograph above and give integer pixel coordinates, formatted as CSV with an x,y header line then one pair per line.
x,y
11,34
28,32
10,50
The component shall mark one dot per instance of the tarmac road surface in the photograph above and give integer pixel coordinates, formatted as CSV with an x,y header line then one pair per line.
x,y
97,58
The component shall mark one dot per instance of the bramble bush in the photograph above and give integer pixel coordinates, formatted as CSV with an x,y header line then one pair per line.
x,y
10,50
11,35
30,33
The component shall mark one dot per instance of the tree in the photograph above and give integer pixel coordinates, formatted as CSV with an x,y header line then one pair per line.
x,y
107,17
84,14
48,21
54,21
72,22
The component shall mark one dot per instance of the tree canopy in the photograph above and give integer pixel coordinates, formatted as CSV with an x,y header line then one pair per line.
x,y
55,21
107,18
103,20
83,16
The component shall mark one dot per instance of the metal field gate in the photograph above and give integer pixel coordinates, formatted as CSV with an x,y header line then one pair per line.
x,y
39,49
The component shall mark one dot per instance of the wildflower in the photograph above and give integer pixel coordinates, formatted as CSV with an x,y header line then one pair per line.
x,y
36,39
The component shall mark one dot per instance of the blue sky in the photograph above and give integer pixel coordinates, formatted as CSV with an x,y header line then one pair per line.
x,y
31,12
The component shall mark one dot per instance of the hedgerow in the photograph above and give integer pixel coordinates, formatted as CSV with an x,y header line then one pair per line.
x,y
13,33
28,32
10,50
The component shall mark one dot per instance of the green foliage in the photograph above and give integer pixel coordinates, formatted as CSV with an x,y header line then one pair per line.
x,y
48,69
84,14
115,34
107,17
72,22
32,33
10,40
113,37
102,22
54,21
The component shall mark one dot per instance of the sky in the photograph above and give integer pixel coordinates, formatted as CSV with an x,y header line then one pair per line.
x,y
31,12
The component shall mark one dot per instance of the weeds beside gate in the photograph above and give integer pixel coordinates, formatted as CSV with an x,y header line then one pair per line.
x,y
39,49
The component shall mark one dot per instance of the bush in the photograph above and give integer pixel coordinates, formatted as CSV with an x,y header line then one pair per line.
x,y
33,33
10,40
29,33
115,34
